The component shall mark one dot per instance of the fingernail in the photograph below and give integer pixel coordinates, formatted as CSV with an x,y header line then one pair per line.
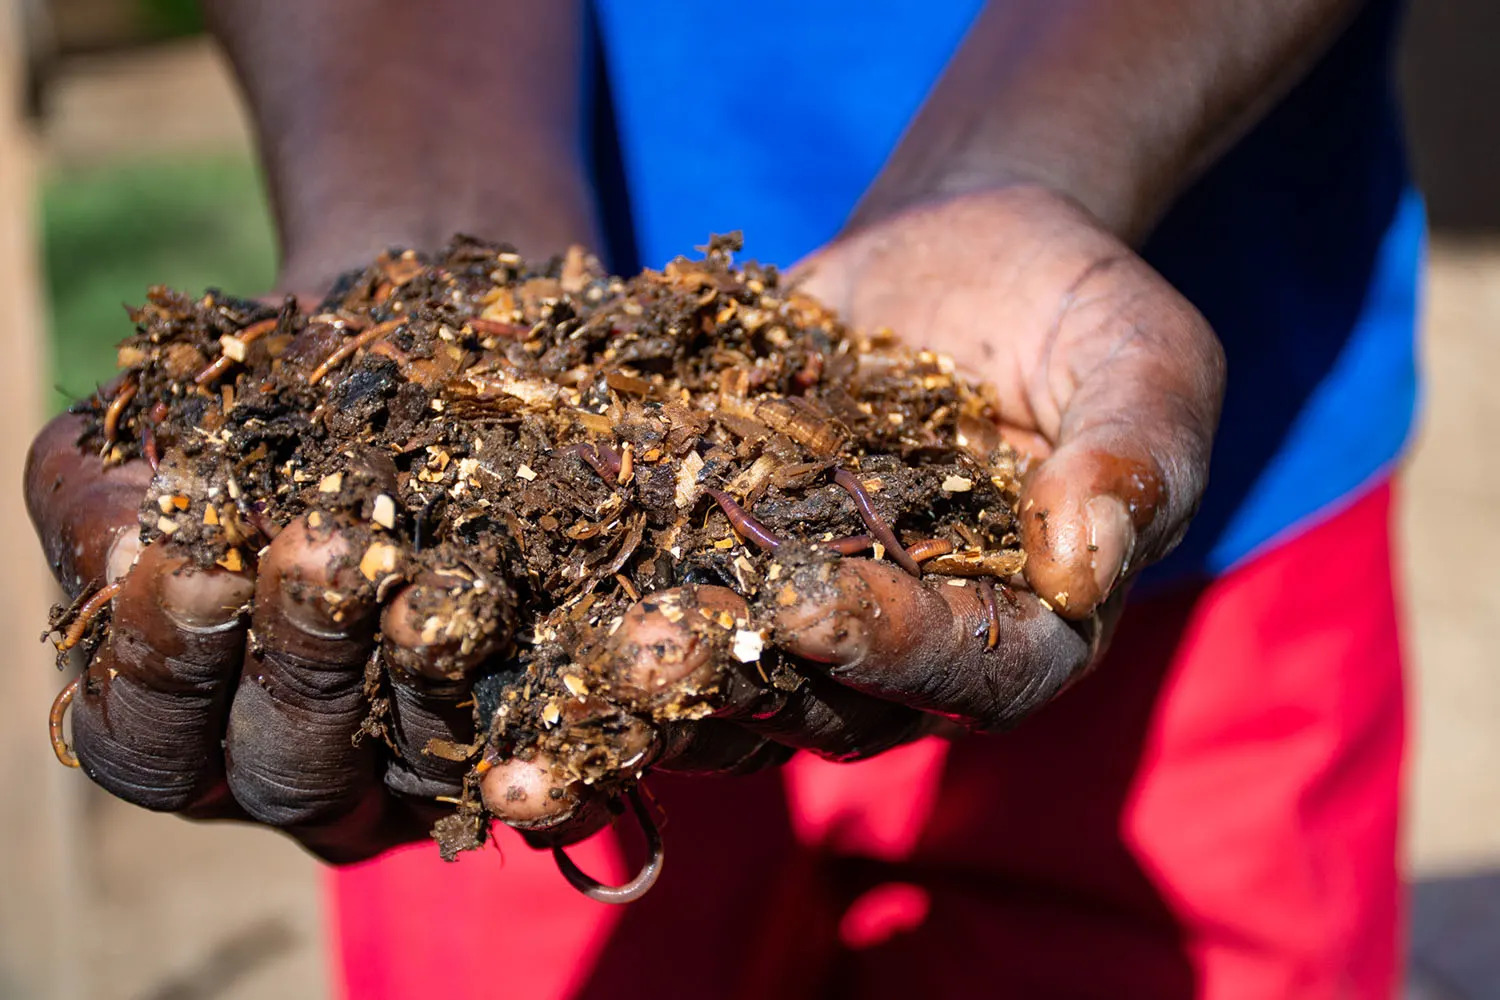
x,y
1111,538
123,552
203,600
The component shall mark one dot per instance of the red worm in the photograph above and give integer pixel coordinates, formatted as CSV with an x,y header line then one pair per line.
x,y
929,548
768,540
987,594
116,408
636,887
882,531
851,546
745,524
87,614
218,366
351,345
148,447
602,459
148,434
65,754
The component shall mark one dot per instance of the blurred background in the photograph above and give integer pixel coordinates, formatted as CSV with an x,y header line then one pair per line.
x,y
125,160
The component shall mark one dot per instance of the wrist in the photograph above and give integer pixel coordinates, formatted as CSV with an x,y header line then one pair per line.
x,y
317,248
986,202
1120,199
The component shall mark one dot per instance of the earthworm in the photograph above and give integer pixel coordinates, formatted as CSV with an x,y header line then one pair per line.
x,y
148,434
351,345
992,613
636,887
218,366
850,546
65,754
929,548
148,447
86,614
117,406
882,531
602,459
746,525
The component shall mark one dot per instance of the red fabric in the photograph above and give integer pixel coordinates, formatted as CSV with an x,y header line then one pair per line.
x,y
1211,814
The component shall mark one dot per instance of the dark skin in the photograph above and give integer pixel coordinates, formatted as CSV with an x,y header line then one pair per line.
x,y
1000,231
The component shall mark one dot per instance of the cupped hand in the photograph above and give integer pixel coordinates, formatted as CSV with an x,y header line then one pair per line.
x,y
246,693
1107,378
241,694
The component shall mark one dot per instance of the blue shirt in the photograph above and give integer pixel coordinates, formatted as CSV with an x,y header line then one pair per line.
x,y
1302,246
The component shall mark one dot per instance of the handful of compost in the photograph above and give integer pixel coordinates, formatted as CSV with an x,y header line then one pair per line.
x,y
581,506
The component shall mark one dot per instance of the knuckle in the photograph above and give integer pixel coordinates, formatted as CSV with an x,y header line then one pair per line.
x,y
291,755
144,749
279,793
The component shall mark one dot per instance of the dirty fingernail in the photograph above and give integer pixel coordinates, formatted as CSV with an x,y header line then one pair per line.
x,y
1110,539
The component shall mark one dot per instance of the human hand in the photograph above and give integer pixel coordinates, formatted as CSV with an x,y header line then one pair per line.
x,y
239,694
1106,377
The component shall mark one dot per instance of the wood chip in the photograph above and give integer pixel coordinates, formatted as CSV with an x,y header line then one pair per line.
x,y
384,512
379,559
687,480
748,645
233,347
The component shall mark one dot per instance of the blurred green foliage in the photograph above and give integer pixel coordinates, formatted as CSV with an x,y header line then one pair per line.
x,y
108,234
171,18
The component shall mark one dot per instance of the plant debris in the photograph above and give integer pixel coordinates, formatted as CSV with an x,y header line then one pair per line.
x,y
561,445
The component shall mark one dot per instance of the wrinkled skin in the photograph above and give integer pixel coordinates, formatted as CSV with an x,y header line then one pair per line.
x,y
237,695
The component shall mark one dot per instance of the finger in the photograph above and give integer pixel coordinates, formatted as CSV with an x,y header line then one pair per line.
x,y
1143,379
536,798
716,746
435,633
667,653
79,508
934,646
148,721
836,722
291,753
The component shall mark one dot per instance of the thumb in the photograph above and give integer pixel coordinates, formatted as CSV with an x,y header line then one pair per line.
x,y
827,274
1132,445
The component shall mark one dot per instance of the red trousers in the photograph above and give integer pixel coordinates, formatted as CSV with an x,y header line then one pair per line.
x,y
1212,813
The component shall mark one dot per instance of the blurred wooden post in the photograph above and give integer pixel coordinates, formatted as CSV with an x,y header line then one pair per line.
x,y
36,893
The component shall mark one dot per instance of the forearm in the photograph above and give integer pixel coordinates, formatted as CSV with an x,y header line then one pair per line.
x,y
1116,103
402,123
